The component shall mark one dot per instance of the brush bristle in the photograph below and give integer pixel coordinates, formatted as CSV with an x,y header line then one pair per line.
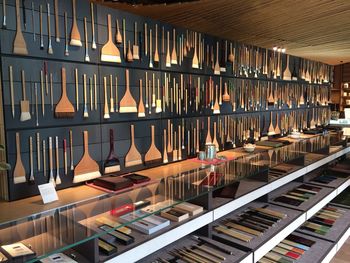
x,y
78,178
141,114
216,111
112,169
110,58
132,162
75,42
64,114
217,72
58,180
271,133
19,179
20,50
106,116
127,109
25,116
154,161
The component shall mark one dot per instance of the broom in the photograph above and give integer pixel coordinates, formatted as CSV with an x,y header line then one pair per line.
x,y
64,108
153,155
112,163
87,168
133,157
109,52
127,103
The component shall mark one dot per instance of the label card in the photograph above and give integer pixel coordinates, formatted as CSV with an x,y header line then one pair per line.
x,y
48,193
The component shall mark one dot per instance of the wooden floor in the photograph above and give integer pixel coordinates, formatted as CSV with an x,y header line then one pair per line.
x,y
343,255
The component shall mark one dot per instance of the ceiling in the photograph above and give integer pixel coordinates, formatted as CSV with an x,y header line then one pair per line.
x,y
314,29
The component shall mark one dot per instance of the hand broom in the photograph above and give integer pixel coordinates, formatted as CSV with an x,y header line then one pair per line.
x,y
153,155
133,157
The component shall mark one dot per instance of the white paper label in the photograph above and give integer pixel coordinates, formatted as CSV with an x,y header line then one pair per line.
x,y
48,193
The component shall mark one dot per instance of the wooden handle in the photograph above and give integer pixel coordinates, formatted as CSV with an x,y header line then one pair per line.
x,y
86,142
135,33
105,91
132,134
18,146
146,40
127,77
50,153
57,28
57,156
168,38
74,12
92,19
48,21
217,51
140,90
109,24
85,31
71,144
64,82
31,152
23,85
84,85
174,36
111,140
150,44
18,19
156,49
152,134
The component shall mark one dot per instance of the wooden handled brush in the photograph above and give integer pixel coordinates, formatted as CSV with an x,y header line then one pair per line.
x,y
217,66
141,108
195,63
118,36
110,52
173,53
287,75
208,138
135,47
133,157
167,58
127,103
25,112
165,152
156,54
57,28
64,108
87,168
75,39
19,173
112,164
106,109
271,130
19,44
153,155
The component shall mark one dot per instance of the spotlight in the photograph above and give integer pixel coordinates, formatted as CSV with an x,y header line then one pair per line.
x,y
274,48
283,50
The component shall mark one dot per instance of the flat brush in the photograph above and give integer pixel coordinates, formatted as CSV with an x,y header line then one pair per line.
x,y
112,164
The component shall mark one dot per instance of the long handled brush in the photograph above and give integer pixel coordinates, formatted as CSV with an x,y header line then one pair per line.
x,y
112,164
75,39
133,157
25,112
110,52
19,44
19,173
64,108
153,155
87,168
127,103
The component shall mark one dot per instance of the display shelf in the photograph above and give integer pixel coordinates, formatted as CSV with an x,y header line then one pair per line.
x,y
183,188
238,256
337,230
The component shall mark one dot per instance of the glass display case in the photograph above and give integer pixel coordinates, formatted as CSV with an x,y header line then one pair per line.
x,y
137,214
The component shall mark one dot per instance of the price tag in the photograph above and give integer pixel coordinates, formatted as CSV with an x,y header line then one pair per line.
x,y
48,193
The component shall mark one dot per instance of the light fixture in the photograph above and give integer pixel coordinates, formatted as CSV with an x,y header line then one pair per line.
x,y
274,48
283,50
279,49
